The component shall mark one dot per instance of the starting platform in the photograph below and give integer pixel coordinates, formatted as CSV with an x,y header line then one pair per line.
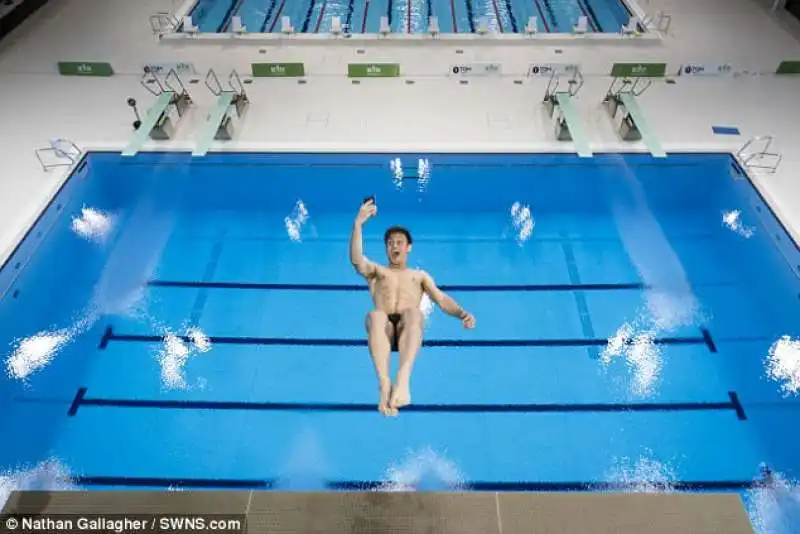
x,y
621,104
410,512
218,125
157,124
566,120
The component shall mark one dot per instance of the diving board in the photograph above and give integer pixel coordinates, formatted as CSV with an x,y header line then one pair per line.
x,y
157,124
566,119
156,120
631,122
573,125
215,125
219,122
637,118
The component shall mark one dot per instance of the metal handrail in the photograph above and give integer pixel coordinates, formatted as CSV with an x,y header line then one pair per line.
x,y
149,78
659,22
575,83
174,74
163,22
211,75
748,159
643,89
551,90
234,76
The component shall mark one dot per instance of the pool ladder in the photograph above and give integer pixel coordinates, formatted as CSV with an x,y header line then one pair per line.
x,y
66,152
751,158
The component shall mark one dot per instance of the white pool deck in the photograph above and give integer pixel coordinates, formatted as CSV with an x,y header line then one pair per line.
x,y
434,113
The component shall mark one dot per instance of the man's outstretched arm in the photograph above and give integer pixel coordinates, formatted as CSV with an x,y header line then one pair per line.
x,y
446,302
361,264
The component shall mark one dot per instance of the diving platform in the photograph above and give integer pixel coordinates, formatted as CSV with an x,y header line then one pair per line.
x,y
219,120
561,109
621,104
157,122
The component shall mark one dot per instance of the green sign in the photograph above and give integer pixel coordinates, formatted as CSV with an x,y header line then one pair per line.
x,y
373,70
638,70
84,68
278,70
788,67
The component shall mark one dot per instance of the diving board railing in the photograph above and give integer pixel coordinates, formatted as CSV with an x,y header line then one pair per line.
x,y
560,108
620,102
157,123
658,22
219,121
162,23
756,154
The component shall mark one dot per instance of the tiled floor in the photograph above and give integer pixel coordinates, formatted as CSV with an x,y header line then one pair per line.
x,y
401,512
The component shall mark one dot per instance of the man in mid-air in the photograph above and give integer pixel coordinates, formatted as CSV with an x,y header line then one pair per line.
x,y
396,323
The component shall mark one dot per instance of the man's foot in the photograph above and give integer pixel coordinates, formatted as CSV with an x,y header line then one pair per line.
x,y
401,396
384,404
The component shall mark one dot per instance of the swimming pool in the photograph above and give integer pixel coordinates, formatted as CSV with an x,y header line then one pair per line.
x,y
410,16
195,323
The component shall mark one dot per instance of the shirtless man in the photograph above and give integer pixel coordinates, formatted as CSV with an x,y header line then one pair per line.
x,y
396,323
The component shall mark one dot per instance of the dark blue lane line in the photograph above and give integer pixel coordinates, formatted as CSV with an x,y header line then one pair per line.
x,y
208,274
109,335
76,402
737,406
366,485
510,10
470,15
580,299
441,239
232,9
592,16
363,287
307,20
268,16
348,19
712,347
160,482
81,401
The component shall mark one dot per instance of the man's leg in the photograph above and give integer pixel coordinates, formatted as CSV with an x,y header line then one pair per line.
x,y
379,332
410,340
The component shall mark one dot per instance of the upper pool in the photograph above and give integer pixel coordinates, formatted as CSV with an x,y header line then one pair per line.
x,y
410,16
196,322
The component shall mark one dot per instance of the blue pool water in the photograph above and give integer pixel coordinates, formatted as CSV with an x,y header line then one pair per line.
x,y
410,16
110,377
